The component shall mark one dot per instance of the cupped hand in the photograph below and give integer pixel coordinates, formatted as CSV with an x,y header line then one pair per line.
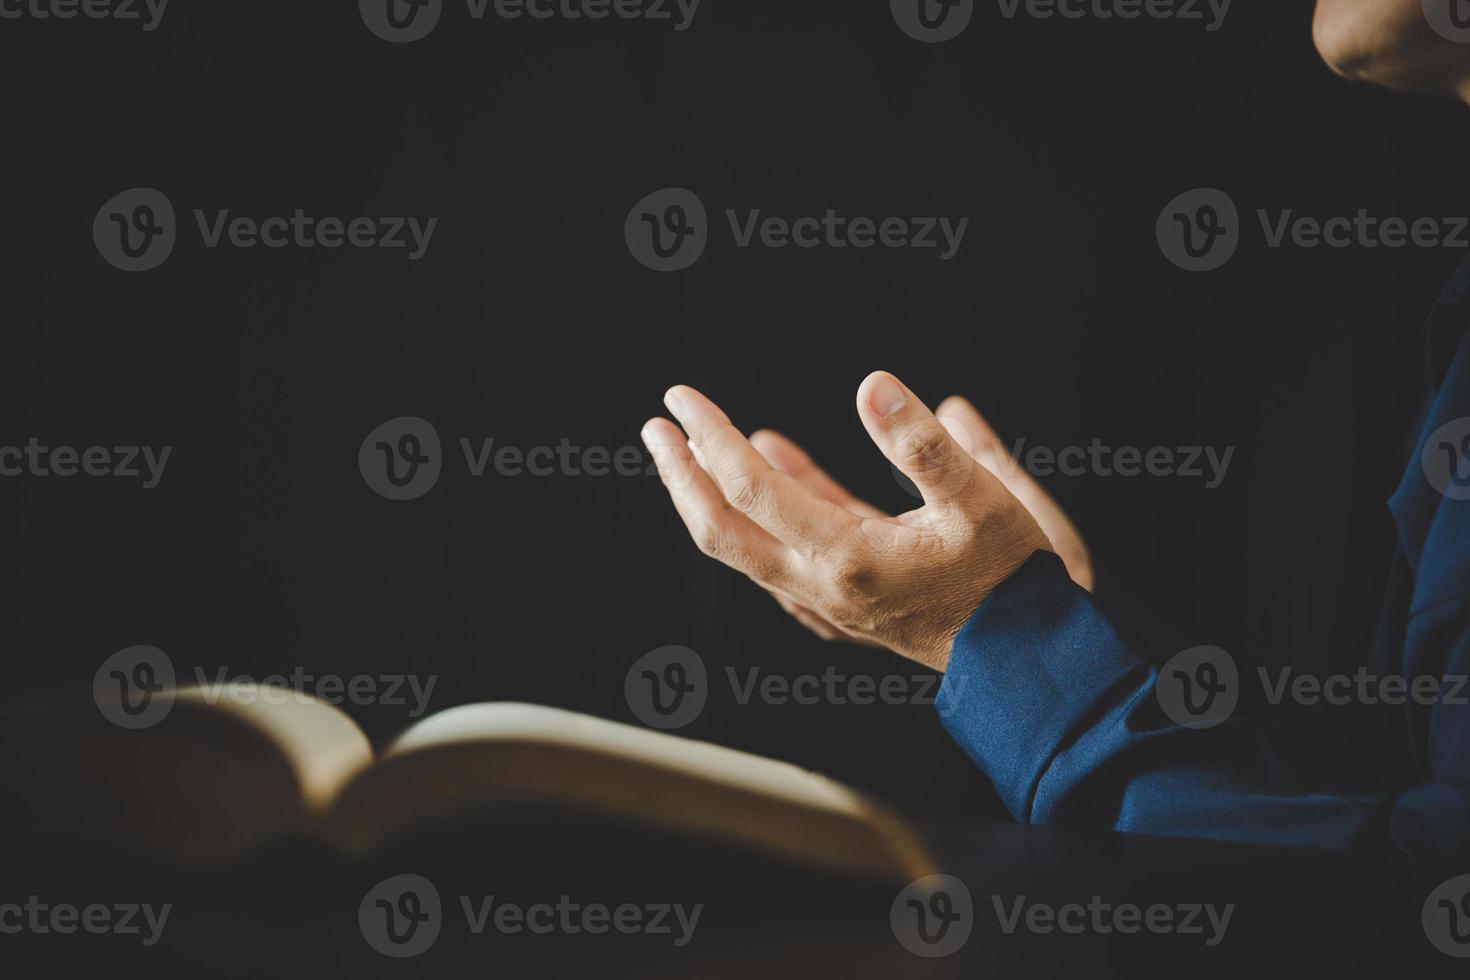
x,y
907,582
975,435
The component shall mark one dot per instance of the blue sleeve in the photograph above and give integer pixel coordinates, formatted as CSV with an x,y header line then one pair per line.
x,y
1054,699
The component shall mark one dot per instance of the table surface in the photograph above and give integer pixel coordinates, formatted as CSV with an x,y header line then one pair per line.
x,y
294,913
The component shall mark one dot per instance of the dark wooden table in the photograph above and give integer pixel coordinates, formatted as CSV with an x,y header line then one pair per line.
x,y
294,912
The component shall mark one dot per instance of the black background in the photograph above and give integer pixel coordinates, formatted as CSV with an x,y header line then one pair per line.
x,y
528,321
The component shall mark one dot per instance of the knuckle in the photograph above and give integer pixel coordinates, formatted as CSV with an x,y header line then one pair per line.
x,y
711,539
856,592
828,561
747,492
924,447
764,568
854,579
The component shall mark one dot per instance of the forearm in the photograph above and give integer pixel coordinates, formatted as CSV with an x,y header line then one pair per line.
x,y
1056,703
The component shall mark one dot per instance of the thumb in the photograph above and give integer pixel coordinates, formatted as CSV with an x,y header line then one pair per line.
x,y
916,442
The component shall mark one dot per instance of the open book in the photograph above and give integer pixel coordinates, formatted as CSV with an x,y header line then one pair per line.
x,y
220,776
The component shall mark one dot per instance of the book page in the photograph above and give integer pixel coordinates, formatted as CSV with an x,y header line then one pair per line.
x,y
557,726
320,743
484,757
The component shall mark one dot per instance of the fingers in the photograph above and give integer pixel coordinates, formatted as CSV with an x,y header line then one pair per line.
x,y
719,532
985,445
991,453
916,442
994,456
791,459
807,618
817,624
987,449
772,499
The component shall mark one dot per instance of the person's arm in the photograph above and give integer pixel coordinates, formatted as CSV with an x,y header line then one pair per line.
x,y
1062,712
1051,698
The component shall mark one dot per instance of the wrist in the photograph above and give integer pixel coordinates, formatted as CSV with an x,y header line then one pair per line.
x,y
997,568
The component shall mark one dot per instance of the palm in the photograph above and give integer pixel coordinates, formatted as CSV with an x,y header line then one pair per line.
x,y
907,534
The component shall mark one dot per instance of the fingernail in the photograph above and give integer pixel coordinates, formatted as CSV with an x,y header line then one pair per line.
x,y
887,397
673,401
